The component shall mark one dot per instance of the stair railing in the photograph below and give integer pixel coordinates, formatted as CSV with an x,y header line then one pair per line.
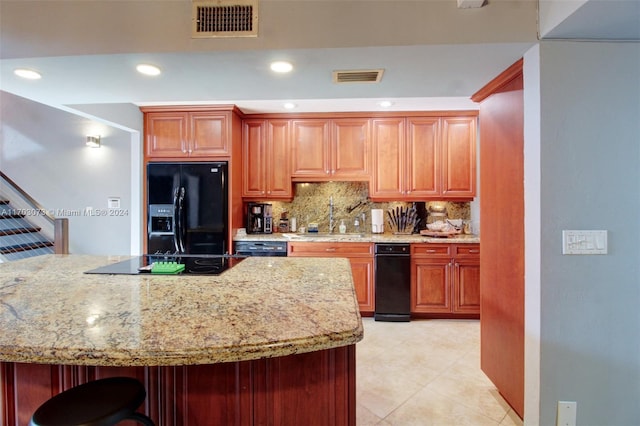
x,y
56,229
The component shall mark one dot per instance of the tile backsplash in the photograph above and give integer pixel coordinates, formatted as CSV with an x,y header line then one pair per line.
x,y
350,201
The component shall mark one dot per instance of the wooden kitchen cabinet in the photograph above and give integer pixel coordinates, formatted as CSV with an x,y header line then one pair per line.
x,y
192,134
261,391
430,278
418,158
445,279
330,149
458,157
266,159
389,152
360,256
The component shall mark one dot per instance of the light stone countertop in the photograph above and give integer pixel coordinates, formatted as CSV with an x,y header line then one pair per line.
x,y
362,238
53,313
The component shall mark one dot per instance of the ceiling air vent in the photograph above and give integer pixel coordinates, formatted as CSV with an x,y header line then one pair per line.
x,y
358,76
225,18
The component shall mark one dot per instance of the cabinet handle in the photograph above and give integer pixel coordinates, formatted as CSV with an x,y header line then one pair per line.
x,y
474,251
330,249
430,250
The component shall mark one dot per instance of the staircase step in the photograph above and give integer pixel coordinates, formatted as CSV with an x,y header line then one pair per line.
x,y
25,247
16,231
7,211
5,215
29,253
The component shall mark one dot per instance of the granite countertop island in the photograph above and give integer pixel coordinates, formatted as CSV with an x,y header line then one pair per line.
x,y
53,313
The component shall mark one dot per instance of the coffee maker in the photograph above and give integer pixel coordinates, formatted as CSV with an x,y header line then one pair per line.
x,y
259,219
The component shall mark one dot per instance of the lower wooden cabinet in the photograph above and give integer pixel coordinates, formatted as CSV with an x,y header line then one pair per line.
x,y
445,279
361,257
315,388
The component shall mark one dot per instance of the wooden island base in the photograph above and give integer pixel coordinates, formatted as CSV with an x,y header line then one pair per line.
x,y
315,388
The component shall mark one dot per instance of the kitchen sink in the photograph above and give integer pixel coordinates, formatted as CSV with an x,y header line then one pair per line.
x,y
318,235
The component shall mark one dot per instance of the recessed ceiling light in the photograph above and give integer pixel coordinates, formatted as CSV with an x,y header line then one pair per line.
x,y
27,73
148,69
289,105
385,104
281,66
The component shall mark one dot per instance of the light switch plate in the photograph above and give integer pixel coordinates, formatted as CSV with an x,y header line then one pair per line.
x,y
584,242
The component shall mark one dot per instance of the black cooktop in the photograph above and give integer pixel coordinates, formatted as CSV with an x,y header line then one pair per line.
x,y
194,264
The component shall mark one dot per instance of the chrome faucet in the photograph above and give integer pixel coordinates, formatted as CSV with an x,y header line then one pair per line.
x,y
331,224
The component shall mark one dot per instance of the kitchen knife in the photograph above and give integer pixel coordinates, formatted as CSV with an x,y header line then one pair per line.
x,y
395,218
390,220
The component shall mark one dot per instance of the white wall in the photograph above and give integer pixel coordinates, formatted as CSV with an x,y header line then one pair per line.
x,y
43,151
552,13
590,179
531,70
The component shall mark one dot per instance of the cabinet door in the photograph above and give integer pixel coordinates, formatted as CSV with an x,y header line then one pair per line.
x,y
209,134
430,285
466,286
362,271
310,148
423,159
388,152
278,173
253,158
166,134
350,148
459,157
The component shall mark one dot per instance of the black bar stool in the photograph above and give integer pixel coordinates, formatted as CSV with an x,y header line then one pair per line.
x,y
103,402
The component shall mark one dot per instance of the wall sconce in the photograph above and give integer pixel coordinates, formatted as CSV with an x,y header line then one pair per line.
x,y
93,141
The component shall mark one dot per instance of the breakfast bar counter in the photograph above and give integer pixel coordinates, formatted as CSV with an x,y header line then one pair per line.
x,y
268,340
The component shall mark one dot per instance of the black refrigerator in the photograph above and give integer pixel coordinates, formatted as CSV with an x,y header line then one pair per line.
x,y
187,208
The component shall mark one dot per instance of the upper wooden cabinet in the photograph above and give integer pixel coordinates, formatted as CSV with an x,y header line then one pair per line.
x,y
325,149
418,158
180,134
266,159
458,157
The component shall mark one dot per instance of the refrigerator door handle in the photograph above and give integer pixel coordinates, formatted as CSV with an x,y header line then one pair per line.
x,y
180,230
176,220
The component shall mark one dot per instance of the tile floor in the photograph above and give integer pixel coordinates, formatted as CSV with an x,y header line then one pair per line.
x,y
425,372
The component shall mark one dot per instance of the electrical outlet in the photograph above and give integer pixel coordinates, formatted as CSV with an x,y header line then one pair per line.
x,y
567,412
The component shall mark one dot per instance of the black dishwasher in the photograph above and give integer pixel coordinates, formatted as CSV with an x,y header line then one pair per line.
x,y
393,282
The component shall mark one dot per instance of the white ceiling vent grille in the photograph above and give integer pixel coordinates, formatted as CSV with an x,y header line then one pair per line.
x,y
225,18
358,76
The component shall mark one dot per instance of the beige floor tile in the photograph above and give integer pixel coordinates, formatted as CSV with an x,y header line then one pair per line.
x,y
472,392
511,419
431,408
425,372
364,417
